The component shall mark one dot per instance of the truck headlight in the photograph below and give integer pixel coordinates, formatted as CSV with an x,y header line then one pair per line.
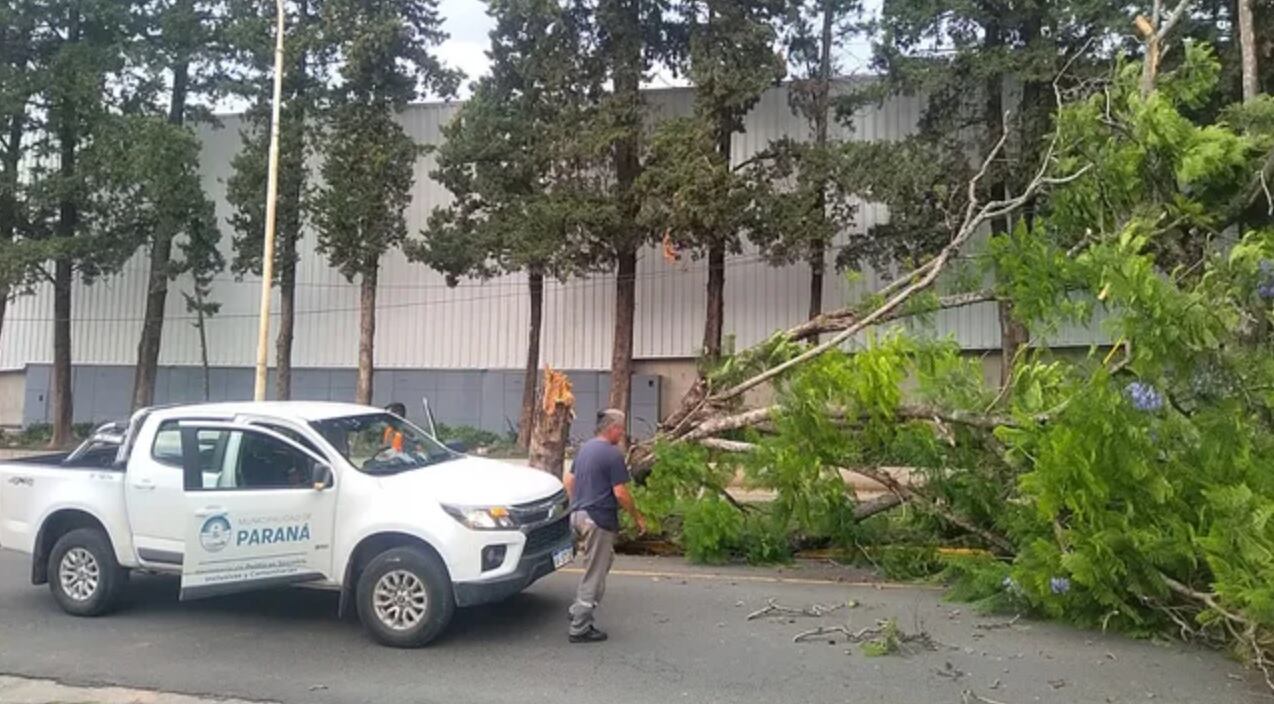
x,y
482,518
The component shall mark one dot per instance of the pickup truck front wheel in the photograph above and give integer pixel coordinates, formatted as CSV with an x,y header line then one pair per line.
x,y
83,574
405,599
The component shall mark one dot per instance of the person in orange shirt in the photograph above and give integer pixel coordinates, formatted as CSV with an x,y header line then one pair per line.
x,y
393,438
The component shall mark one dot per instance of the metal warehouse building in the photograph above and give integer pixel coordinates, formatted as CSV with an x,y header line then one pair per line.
x,y
461,347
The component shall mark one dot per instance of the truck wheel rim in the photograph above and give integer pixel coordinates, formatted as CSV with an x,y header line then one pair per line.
x,y
79,574
400,600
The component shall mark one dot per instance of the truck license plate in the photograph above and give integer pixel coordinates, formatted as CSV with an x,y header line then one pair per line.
x,y
563,557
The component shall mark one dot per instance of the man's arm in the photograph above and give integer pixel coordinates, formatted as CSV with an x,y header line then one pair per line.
x,y
625,498
568,480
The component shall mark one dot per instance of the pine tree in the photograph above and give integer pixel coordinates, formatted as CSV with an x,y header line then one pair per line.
x,y
75,222
690,185
368,160
18,85
526,195
308,58
805,178
182,54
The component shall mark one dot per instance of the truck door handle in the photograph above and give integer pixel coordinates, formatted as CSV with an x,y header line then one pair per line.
x,y
144,485
207,511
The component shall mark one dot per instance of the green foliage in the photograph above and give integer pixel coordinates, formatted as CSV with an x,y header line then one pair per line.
x,y
889,642
1133,486
689,190
308,56
905,563
520,157
711,530
474,437
368,159
983,581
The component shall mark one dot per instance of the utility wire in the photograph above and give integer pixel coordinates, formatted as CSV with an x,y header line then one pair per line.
x,y
602,282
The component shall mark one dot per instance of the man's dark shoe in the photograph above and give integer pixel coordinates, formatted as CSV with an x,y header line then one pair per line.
x,y
592,635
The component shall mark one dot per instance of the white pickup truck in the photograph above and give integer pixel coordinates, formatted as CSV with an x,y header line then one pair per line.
x,y
240,496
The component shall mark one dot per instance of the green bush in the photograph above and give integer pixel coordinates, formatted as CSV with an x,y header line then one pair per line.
x,y
477,439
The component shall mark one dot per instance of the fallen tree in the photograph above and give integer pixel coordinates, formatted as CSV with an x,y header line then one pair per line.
x,y
1129,488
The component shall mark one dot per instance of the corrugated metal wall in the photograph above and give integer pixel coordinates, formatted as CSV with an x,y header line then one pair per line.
x,y
478,325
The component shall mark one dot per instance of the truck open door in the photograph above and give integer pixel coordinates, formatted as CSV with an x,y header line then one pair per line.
x,y
259,510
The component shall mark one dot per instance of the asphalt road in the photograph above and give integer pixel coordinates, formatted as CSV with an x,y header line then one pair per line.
x,y
677,635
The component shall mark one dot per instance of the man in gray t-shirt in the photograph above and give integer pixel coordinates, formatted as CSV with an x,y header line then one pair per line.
x,y
598,486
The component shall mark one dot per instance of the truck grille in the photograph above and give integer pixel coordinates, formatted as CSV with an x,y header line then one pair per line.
x,y
541,511
547,536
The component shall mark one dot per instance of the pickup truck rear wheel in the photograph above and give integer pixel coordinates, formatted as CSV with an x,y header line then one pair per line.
x,y
405,599
83,574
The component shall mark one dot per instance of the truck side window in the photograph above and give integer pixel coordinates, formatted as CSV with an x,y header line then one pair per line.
x,y
256,461
167,448
292,435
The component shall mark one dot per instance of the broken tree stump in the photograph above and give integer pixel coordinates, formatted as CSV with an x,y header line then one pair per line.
x,y
552,430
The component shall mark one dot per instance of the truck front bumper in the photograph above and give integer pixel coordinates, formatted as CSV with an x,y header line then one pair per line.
x,y
530,568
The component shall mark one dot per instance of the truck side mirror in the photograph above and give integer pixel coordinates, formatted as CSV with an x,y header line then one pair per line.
x,y
322,477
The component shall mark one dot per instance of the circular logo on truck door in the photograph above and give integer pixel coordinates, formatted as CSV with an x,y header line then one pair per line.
x,y
215,533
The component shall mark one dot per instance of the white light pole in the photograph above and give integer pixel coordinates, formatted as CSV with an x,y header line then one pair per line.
x,y
271,214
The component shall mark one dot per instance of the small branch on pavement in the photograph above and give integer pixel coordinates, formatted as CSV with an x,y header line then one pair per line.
x,y
851,636
968,697
772,607
998,624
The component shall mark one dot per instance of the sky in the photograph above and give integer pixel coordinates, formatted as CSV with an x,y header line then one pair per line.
x,y
467,23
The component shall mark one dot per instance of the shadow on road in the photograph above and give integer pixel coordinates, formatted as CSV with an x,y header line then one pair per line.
x,y
155,595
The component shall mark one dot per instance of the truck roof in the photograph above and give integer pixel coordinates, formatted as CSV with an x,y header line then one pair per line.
x,y
294,410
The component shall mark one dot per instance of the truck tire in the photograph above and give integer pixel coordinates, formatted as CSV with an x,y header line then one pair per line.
x,y
405,599
83,574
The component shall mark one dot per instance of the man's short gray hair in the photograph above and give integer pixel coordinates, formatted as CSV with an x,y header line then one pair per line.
x,y
611,417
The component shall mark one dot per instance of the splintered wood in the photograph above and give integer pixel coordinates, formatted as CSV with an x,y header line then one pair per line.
x,y
553,423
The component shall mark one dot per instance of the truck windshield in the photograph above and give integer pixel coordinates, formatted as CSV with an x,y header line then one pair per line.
x,y
382,443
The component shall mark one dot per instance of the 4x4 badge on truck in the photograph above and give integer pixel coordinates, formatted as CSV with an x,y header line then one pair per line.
x,y
215,533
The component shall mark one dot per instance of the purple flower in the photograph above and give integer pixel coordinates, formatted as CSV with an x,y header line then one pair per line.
x,y
1266,290
1143,396
1059,585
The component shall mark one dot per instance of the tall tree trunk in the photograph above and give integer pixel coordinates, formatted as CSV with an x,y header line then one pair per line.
x,y
822,108
203,343
1012,333
714,320
287,322
63,409
1247,48
147,369
818,265
621,361
289,233
160,258
526,420
366,336
627,67
68,134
